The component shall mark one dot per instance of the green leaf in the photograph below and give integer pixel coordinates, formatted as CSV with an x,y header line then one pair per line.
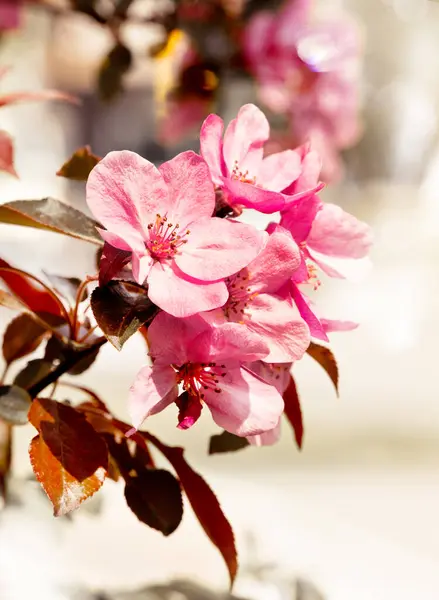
x,y
14,404
226,442
120,309
51,215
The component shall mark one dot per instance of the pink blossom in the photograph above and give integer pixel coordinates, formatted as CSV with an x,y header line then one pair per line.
x,y
309,70
324,231
237,164
163,218
254,300
207,363
10,14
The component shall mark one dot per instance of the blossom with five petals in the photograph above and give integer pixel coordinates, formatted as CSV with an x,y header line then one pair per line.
x,y
207,364
164,218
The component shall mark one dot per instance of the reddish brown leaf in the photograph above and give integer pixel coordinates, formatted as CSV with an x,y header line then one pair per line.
x,y
31,291
120,308
51,215
7,154
79,165
68,457
23,335
226,442
154,496
111,262
293,412
204,503
67,287
326,359
33,372
112,72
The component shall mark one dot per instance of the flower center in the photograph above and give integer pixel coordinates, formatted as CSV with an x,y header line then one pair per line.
x,y
164,238
240,296
240,176
196,378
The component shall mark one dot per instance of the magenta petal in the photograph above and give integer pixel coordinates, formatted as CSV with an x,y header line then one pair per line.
x,y
316,328
191,193
125,192
252,196
299,216
279,170
190,410
211,147
339,234
180,295
246,405
153,390
170,338
280,326
269,438
276,263
217,248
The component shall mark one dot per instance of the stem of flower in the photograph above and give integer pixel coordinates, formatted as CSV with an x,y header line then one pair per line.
x,y
64,366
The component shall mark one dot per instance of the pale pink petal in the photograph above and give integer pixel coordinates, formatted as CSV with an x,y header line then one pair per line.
x,y
332,325
316,328
338,233
252,196
191,193
246,405
311,165
280,326
16,97
269,438
256,35
245,137
354,269
278,375
211,147
217,248
230,341
279,170
275,264
133,241
180,295
141,265
153,390
299,217
169,338
125,192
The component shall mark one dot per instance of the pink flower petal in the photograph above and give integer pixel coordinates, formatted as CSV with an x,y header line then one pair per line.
x,y
280,326
132,242
316,328
230,341
141,265
298,218
217,248
190,188
154,388
275,264
125,192
269,438
170,338
180,295
245,137
246,405
332,325
252,196
211,147
279,170
277,375
338,233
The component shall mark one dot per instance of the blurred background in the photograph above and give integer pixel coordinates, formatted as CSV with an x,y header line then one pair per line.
x,y
353,516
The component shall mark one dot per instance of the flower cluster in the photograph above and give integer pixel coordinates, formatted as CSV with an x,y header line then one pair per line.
x,y
308,70
234,313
